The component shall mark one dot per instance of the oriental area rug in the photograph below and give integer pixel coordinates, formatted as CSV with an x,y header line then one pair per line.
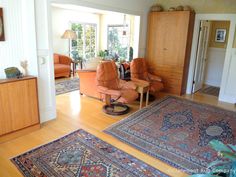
x,y
66,86
81,154
177,131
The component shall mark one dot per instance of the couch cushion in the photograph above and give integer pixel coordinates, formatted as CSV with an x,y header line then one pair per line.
x,y
56,59
60,68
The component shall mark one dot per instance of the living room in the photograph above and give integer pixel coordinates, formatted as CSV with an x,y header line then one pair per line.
x,y
76,138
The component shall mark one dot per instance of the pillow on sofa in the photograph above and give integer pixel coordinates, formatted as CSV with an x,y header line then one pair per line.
x,y
92,63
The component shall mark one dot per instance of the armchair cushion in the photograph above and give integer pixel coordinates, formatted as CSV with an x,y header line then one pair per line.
x,y
60,68
105,90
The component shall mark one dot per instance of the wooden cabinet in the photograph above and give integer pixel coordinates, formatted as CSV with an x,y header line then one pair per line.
x,y
168,47
18,104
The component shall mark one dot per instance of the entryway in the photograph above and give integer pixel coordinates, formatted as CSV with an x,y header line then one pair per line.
x,y
210,57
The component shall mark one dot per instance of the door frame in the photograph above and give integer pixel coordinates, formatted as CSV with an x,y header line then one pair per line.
x,y
212,17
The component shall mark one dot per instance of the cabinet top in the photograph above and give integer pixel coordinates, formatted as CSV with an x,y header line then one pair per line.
x,y
173,12
2,81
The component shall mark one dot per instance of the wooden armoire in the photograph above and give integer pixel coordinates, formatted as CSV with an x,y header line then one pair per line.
x,y
169,43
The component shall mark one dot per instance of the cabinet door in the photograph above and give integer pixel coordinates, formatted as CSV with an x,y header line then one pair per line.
x,y
23,103
167,38
5,110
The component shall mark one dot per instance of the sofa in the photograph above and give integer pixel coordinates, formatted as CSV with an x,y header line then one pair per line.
x,y
62,65
87,80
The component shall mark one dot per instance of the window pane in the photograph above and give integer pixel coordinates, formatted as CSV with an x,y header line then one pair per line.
x,y
85,44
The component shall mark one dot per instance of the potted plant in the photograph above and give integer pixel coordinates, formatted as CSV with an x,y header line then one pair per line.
x,y
226,167
103,54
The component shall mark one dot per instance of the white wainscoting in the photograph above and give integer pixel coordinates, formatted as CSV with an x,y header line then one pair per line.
x,y
214,66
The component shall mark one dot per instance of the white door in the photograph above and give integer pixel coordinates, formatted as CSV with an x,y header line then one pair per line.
x,y
201,55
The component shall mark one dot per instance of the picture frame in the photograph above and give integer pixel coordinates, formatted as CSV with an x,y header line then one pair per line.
x,y
220,35
2,35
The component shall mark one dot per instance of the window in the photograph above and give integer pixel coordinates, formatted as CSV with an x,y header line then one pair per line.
x,y
85,44
118,43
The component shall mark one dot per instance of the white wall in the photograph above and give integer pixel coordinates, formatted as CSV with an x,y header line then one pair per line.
x,y
61,20
214,66
134,7
20,35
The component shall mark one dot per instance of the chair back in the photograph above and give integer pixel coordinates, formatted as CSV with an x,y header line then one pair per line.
x,y
56,58
107,75
138,69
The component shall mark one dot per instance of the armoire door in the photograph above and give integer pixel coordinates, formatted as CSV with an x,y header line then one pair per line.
x,y
167,38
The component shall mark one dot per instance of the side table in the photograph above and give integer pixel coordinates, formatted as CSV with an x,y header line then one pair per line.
x,y
74,62
142,87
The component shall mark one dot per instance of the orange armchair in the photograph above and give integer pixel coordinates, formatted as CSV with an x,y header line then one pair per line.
x,y
139,73
111,87
62,65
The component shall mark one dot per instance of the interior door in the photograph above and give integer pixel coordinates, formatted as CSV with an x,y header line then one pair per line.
x,y
201,55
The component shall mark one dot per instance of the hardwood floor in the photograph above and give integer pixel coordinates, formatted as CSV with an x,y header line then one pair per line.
x,y
74,112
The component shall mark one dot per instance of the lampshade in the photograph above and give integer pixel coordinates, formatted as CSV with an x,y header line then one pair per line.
x,y
69,34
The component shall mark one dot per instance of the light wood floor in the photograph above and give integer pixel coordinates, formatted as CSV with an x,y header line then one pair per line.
x,y
74,112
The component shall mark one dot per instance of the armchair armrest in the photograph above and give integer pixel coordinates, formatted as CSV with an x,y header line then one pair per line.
x,y
139,82
65,60
154,77
105,90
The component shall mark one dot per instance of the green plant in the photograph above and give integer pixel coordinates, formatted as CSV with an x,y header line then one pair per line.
x,y
226,167
103,54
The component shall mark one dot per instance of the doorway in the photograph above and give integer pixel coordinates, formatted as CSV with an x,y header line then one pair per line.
x,y
210,57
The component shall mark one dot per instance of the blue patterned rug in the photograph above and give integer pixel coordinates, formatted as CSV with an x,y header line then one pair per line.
x,y
177,131
66,86
81,154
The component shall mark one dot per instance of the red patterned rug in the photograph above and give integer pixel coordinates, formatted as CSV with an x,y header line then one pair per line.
x,y
177,131
81,154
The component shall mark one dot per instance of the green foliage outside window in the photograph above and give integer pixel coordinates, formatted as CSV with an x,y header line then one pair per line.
x,y
85,44
118,44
